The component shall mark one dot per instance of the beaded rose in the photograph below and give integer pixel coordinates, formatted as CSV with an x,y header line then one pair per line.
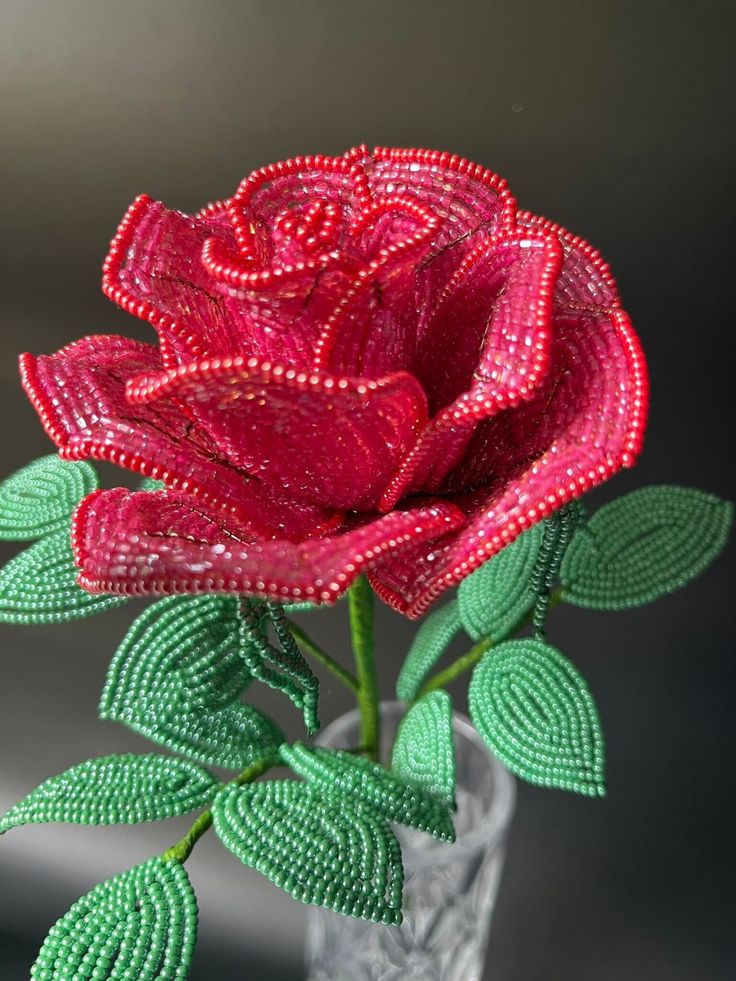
x,y
369,362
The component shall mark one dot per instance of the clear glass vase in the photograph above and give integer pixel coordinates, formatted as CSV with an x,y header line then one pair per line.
x,y
450,890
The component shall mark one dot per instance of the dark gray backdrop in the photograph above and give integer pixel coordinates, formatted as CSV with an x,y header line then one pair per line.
x,y
612,118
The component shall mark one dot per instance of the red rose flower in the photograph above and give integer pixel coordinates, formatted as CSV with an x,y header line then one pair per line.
x,y
372,361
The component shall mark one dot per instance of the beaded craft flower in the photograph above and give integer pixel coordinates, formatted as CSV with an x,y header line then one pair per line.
x,y
371,367
373,361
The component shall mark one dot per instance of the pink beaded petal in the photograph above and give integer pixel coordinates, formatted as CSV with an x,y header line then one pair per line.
x,y
79,394
581,426
172,270
463,194
496,309
292,257
585,277
373,329
289,185
154,271
470,201
163,543
318,438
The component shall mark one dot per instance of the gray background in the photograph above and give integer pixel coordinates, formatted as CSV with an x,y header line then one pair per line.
x,y
612,118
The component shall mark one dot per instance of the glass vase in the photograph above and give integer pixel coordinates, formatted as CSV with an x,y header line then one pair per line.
x,y
450,889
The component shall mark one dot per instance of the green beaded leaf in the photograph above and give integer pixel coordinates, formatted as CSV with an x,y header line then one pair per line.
x,y
177,677
495,597
429,644
339,776
644,545
116,790
424,749
280,667
323,852
40,585
141,924
535,712
41,497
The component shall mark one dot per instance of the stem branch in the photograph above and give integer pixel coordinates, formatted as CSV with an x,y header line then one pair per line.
x,y
471,657
457,667
341,673
181,851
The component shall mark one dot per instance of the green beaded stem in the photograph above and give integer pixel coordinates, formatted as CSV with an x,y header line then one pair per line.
x,y
282,667
40,498
558,532
644,545
177,677
338,775
360,609
459,666
322,852
430,642
140,925
496,597
116,790
424,749
535,712
39,585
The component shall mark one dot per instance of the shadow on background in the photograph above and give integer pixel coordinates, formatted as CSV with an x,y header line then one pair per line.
x,y
615,119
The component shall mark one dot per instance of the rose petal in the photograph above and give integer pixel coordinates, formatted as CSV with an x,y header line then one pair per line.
x,y
154,271
286,307
163,543
585,277
79,393
374,328
289,184
463,194
161,267
581,427
289,288
485,349
318,438
470,201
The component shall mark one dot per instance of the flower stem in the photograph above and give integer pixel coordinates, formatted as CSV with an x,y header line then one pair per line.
x,y
360,605
341,673
181,851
